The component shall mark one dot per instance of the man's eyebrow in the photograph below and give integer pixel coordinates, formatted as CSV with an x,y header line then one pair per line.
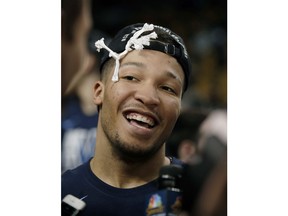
x,y
138,64
173,76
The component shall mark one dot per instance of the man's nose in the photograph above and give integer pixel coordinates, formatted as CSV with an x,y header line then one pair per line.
x,y
147,94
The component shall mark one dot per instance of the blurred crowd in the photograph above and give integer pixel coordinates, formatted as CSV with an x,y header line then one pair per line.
x,y
200,136
203,26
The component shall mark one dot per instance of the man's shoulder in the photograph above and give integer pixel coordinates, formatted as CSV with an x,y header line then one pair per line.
x,y
72,180
75,172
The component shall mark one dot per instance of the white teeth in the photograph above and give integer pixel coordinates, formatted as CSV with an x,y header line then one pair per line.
x,y
138,117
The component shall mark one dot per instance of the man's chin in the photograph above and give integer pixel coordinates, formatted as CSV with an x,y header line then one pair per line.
x,y
133,154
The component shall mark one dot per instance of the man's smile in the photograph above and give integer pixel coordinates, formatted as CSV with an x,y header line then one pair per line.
x,y
142,120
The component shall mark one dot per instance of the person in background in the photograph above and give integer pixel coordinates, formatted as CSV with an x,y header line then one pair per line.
x,y
183,142
79,122
76,23
143,76
205,182
79,113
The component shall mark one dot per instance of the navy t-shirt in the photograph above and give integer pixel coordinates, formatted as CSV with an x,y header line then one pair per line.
x,y
102,199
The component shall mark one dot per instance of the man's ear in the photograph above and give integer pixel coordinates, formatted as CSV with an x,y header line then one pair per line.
x,y
98,93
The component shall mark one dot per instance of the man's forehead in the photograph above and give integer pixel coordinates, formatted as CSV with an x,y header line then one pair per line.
x,y
170,66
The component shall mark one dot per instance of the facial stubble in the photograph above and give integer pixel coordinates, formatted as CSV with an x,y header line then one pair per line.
x,y
128,152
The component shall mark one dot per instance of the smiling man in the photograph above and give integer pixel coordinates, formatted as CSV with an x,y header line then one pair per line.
x,y
144,72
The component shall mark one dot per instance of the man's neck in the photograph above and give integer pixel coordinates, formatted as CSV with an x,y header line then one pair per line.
x,y
120,174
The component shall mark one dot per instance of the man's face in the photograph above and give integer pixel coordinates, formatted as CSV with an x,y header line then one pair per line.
x,y
139,111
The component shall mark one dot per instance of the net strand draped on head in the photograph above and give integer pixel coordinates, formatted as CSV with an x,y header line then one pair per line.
x,y
143,36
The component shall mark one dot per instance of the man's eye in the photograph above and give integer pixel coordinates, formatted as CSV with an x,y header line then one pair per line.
x,y
168,89
129,78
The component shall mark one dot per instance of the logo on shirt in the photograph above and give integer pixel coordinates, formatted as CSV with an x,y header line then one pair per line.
x,y
155,205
